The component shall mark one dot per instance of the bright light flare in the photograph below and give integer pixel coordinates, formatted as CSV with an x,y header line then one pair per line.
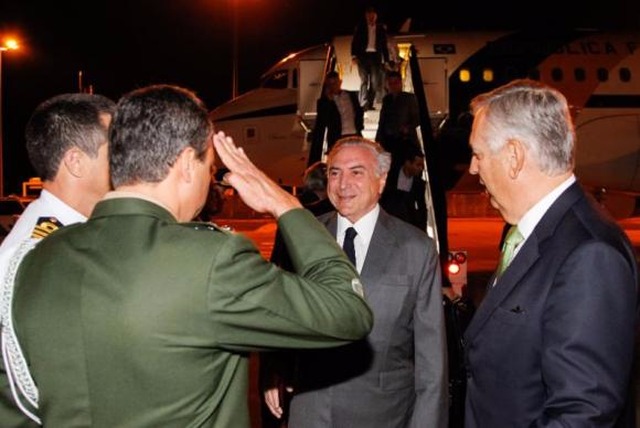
x,y
11,44
454,268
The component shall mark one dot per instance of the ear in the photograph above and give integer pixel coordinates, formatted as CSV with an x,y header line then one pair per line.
x,y
186,164
516,154
73,161
383,183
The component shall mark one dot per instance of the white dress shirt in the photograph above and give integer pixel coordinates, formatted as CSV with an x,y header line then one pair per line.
x,y
364,227
531,218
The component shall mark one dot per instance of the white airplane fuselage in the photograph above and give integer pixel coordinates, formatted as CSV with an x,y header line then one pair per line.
x,y
599,72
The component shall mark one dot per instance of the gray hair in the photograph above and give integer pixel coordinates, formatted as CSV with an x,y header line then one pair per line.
x,y
150,128
535,114
383,158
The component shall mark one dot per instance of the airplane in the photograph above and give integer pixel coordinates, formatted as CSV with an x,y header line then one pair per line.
x,y
598,72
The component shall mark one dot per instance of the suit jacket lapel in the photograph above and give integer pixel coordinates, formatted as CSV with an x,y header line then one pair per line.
x,y
526,257
382,238
376,260
330,221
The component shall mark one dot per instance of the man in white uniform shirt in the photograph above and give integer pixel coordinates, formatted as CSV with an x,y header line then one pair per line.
x,y
66,139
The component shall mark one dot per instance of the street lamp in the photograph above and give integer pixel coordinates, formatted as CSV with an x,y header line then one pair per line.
x,y
9,44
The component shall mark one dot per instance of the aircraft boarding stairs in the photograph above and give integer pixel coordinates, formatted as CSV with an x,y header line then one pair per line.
x,y
371,118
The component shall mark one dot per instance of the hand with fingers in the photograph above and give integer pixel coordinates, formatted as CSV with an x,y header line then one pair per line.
x,y
256,189
274,398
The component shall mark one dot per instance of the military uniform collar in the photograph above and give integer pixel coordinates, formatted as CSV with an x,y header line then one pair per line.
x,y
128,203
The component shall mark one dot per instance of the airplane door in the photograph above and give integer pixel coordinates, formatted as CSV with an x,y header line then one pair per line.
x,y
309,88
434,79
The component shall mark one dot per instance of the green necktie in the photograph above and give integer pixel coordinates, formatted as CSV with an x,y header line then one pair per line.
x,y
512,240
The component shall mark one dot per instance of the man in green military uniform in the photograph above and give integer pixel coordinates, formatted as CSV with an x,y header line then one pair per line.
x,y
147,320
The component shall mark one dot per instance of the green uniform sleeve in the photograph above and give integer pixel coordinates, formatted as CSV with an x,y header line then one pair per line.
x,y
260,306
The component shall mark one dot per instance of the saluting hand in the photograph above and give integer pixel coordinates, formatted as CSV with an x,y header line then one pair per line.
x,y
256,189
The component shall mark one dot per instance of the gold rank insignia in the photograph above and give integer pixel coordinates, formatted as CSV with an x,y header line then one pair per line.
x,y
44,226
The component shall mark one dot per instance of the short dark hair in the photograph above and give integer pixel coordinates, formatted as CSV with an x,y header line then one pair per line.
x,y
62,122
409,151
150,128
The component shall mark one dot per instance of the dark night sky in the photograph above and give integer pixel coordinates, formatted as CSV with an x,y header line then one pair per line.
x,y
121,45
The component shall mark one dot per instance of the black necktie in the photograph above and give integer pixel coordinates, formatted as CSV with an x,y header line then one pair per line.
x,y
348,247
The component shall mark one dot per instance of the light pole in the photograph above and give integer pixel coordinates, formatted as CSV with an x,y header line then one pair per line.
x,y
8,45
234,92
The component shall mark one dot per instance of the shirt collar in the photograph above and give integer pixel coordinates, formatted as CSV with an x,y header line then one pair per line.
x,y
129,194
364,226
529,221
64,213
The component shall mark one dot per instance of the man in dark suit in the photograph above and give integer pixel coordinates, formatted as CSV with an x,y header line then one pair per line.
x,y
338,114
397,377
552,342
404,192
370,52
399,118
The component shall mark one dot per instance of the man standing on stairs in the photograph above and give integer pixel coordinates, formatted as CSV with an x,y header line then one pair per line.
x,y
399,119
370,52
338,115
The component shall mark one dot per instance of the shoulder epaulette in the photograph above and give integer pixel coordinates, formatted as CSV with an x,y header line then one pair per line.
x,y
198,225
45,226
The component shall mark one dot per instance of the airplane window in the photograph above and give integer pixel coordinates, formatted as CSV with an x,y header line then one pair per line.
x,y
487,75
625,74
465,75
556,74
277,80
580,74
603,74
